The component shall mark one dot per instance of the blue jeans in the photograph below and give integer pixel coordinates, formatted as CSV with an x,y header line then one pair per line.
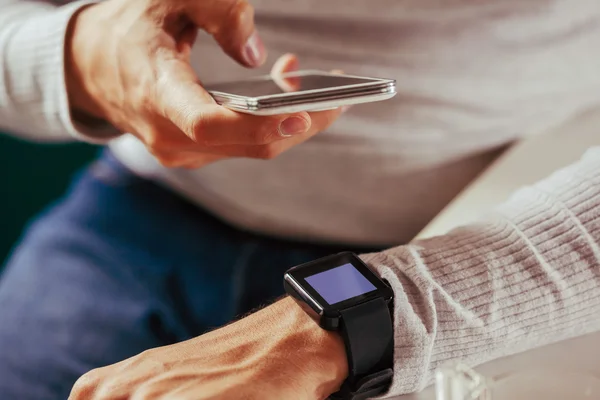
x,y
121,265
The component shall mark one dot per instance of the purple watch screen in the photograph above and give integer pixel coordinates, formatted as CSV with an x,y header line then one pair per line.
x,y
340,283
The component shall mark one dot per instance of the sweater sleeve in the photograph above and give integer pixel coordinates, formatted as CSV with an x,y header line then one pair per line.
x,y
526,276
33,94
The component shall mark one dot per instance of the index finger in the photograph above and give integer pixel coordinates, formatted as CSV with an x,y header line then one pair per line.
x,y
286,63
231,23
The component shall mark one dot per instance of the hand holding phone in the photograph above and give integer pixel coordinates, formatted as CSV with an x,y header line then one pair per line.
x,y
154,95
289,92
281,131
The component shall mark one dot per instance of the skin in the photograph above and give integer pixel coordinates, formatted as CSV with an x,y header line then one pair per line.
x,y
128,63
276,353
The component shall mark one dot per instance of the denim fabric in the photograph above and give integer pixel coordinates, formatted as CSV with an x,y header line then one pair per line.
x,y
121,265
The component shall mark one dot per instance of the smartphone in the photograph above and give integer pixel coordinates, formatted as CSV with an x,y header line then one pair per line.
x,y
300,91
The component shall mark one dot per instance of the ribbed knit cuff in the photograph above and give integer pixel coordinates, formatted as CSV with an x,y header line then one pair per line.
x,y
39,46
529,275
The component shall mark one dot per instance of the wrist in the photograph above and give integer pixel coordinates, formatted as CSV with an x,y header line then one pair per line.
x,y
317,357
77,45
322,352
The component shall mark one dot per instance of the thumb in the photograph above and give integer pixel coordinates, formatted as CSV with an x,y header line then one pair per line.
x,y
184,102
231,23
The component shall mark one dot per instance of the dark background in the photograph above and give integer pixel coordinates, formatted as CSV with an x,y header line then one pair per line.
x,y
32,176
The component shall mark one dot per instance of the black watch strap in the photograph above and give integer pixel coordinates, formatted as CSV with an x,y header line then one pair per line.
x,y
368,335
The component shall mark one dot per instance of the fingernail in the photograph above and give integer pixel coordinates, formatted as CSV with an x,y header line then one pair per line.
x,y
293,126
254,50
345,108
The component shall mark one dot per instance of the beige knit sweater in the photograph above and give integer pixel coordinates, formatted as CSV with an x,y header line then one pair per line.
x,y
526,276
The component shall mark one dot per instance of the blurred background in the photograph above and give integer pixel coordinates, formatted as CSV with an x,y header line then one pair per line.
x,y
28,187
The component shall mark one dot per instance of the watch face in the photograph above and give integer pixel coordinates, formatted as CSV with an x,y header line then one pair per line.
x,y
336,282
340,283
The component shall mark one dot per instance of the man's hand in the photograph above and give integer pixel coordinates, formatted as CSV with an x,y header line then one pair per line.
x,y
127,62
276,353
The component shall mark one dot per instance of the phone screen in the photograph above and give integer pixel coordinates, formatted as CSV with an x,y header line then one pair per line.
x,y
289,83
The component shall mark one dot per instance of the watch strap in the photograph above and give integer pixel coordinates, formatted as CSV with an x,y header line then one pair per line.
x,y
370,386
368,335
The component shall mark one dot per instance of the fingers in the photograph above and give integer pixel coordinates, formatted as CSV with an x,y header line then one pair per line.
x,y
286,63
217,132
199,156
191,109
231,23
320,121
217,126
213,125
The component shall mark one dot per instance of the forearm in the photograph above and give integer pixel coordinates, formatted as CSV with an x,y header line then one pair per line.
x,y
525,277
278,352
34,100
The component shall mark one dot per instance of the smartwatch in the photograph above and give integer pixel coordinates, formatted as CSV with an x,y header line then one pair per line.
x,y
341,293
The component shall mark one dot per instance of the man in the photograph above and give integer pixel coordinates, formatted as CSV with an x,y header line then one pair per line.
x,y
123,264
